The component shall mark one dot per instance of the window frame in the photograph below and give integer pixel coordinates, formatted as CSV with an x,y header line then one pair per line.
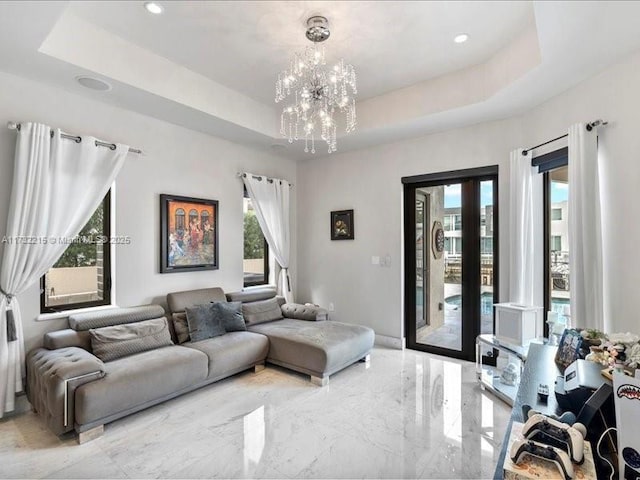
x,y
106,270
265,280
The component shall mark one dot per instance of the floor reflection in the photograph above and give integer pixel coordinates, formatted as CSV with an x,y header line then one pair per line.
x,y
405,415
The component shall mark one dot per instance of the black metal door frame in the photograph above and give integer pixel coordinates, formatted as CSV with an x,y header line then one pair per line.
x,y
470,180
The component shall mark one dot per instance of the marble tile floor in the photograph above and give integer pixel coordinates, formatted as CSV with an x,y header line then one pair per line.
x,y
407,414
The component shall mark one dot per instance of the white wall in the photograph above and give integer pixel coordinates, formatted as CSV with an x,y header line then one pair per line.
x,y
177,161
369,182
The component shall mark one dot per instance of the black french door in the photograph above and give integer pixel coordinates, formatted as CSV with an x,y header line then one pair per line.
x,y
451,259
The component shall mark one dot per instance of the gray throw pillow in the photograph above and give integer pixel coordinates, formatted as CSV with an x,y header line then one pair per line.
x,y
181,327
262,311
231,315
111,343
203,323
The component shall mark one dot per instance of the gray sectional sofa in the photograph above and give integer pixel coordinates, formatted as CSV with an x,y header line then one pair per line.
x,y
72,389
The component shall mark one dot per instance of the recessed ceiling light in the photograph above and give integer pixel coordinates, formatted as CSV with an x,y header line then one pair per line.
x,y
93,83
153,7
461,38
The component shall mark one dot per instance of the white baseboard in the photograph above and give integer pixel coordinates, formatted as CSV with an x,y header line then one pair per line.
x,y
390,342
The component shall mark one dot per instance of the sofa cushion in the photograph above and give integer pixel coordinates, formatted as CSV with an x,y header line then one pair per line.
x,y
261,311
203,323
232,352
181,327
114,316
179,301
230,313
111,343
252,295
316,348
304,312
138,379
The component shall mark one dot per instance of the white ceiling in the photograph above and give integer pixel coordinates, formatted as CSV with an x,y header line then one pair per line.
x,y
243,45
211,66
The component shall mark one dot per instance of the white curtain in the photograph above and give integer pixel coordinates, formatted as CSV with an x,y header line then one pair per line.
x,y
270,198
57,185
525,190
585,230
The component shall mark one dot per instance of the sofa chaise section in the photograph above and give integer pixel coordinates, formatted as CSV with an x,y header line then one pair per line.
x,y
318,349
307,341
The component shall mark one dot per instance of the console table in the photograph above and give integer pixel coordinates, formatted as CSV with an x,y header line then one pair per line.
x,y
540,367
490,375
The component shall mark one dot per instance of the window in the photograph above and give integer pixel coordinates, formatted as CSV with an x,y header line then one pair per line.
x,y
486,245
82,276
557,288
458,222
256,249
447,223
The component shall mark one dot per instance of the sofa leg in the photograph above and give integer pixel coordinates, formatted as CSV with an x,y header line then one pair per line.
x,y
92,434
366,358
258,368
320,381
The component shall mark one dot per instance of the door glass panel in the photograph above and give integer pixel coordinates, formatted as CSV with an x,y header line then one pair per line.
x,y
439,266
486,257
559,243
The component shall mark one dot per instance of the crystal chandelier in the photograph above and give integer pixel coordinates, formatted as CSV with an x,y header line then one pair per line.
x,y
316,93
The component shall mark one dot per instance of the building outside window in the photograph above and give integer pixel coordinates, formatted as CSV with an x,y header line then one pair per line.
x,y
556,214
82,276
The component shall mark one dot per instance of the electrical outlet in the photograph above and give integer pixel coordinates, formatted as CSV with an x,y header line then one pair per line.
x,y
332,307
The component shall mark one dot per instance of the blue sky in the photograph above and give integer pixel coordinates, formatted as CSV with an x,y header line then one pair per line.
x,y
452,196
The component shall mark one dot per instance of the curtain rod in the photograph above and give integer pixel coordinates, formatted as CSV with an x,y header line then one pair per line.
x,y
270,180
590,126
78,139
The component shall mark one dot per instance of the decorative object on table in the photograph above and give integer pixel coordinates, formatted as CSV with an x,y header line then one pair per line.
x,y
569,348
510,374
437,240
557,326
618,350
342,225
188,234
316,93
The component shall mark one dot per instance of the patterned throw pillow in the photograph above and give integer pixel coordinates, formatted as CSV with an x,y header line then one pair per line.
x,y
111,343
230,313
203,323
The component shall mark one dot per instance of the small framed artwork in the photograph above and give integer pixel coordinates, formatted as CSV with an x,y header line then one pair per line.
x,y
342,225
188,234
569,348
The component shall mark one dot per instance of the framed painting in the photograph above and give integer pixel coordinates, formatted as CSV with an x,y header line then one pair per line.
x,y
188,234
342,225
